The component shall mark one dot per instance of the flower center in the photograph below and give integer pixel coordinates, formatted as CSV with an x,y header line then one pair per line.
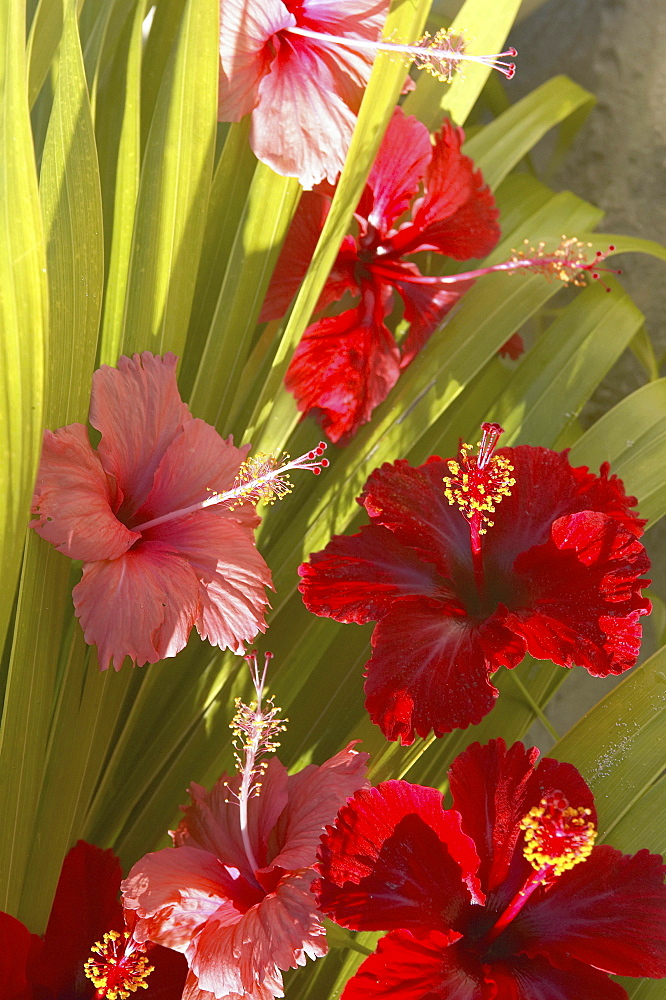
x,y
118,966
557,837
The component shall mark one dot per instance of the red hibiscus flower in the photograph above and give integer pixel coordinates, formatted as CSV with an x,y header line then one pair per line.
x,y
456,595
161,515
85,908
345,365
287,64
234,894
503,896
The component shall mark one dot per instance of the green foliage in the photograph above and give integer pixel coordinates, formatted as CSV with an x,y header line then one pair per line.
x,y
155,229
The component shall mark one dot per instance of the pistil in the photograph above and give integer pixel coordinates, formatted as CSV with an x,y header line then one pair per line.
x,y
440,54
118,966
263,478
476,485
255,729
557,837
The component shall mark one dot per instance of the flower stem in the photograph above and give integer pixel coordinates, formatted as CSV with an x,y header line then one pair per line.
x,y
536,708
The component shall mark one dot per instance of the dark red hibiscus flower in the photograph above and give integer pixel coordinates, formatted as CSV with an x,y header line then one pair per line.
x,y
86,910
345,365
503,897
456,595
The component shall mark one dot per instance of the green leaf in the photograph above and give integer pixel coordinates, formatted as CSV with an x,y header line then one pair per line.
x,y
23,306
118,130
485,25
174,189
502,144
43,42
632,437
71,206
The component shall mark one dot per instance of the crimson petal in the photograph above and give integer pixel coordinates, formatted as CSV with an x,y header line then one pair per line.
x,y
357,578
344,367
406,967
429,671
609,912
394,859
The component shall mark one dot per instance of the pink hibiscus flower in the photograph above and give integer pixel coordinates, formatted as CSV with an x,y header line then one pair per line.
x,y
85,908
555,573
303,91
345,365
502,896
234,893
163,546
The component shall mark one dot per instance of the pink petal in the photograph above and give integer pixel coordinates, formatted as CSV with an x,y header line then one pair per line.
x,y
175,891
192,991
211,821
343,367
276,934
141,605
76,500
315,795
428,671
138,409
395,858
400,164
197,463
232,574
356,18
246,28
301,127
609,912
358,577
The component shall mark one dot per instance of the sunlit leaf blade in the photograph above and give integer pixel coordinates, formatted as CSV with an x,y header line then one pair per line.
x,y
118,130
502,144
485,25
72,216
271,201
43,42
23,306
175,184
275,412
632,437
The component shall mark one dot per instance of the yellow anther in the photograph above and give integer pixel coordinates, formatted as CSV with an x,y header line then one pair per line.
x,y
557,835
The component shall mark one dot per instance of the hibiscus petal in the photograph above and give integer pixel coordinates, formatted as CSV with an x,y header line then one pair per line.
x,y
494,788
176,890
584,595
609,912
410,502
75,499
276,934
356,578
196,464
399,166
138,410
301,127
245,55
411,968
315,795
457,215
344,367
606,494
428,671
167,980
16,944
425,309
395,858
85,907
232,574
211,821
536,979
142,605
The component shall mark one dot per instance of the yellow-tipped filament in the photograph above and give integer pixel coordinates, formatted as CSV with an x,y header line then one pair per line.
x,y
557,835
118,966
478,483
